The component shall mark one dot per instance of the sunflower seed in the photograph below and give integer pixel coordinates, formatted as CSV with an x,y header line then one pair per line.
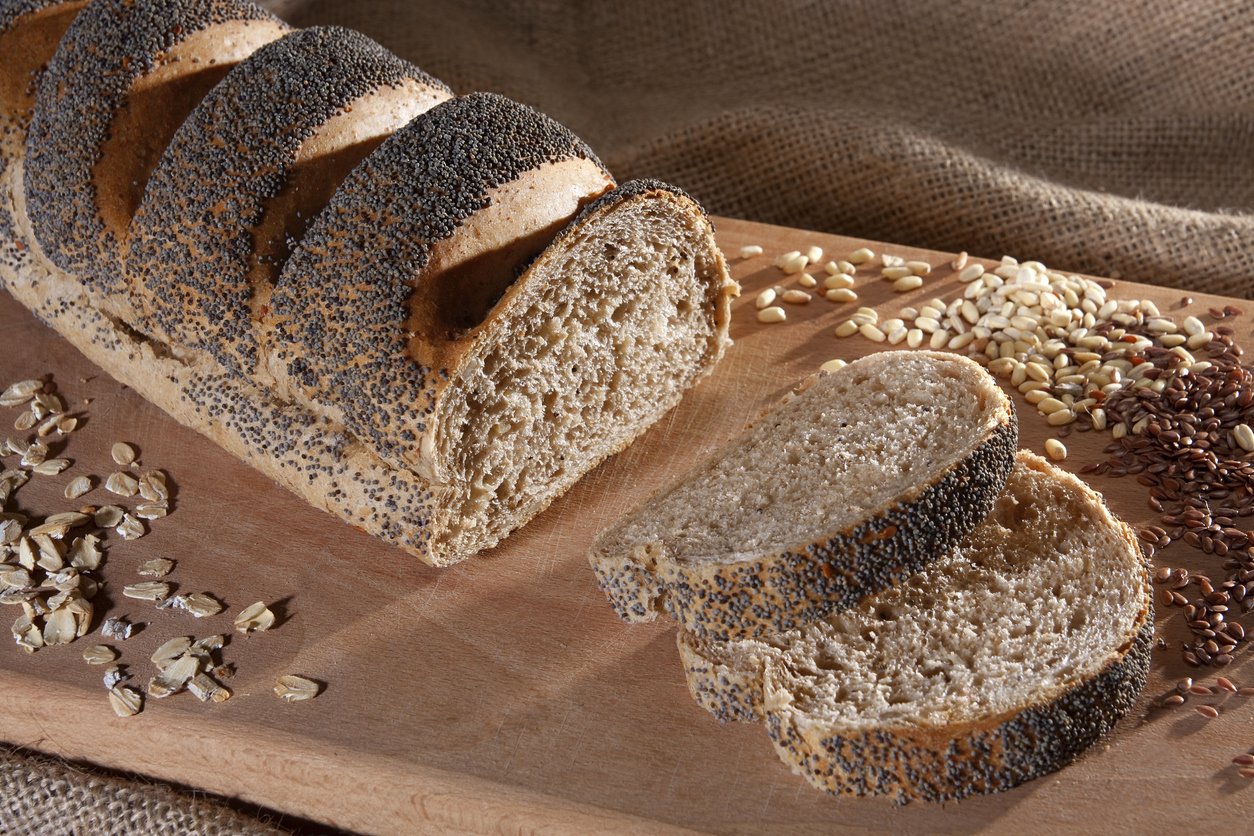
x,y
291,688
255,617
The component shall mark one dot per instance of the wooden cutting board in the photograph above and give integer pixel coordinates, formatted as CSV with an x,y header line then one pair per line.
x,y
502,694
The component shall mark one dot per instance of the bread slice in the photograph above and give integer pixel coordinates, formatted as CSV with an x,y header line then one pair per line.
x,y
124,77
997,663
855,483
257,159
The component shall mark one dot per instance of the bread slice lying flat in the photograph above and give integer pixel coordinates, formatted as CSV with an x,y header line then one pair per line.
x,y
996,664
857,482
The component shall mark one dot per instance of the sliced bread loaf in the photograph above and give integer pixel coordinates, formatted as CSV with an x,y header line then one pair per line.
x,y
854,484
259,157
997,663
124,77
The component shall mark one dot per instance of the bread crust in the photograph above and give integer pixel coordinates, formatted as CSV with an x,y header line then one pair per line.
x,y
29,33
203,257
952,763
789,588
112,96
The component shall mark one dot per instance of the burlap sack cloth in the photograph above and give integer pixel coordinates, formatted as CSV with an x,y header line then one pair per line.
x,y
1111,138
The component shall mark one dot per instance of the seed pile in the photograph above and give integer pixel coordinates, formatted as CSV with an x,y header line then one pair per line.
x,y
54,576
1174,395
1190,445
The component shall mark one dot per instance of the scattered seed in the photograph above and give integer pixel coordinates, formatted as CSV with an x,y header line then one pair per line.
x,y
78,486
255,618
765,299
1055,449
19,393
750,251
147,591
860,256
841,294
108,516
130,528
772,314
1226,684
51,467
99,654
291,688
123,454
1207,711
122,484
126,701
1173,700
157,567
117,628
795,297
1244,760
907,283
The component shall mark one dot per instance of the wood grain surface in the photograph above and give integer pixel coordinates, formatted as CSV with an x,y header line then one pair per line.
x,y
502,694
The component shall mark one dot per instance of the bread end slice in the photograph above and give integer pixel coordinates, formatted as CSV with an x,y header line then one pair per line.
x,y
768,567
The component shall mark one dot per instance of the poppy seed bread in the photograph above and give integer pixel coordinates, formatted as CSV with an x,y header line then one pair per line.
x,y
555,315
125,76
847,488
998,663
259,157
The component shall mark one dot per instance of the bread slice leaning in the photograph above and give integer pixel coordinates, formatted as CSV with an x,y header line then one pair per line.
x,y
854,484
996,664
